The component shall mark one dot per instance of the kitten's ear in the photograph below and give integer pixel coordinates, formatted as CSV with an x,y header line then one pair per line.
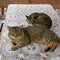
x,y
21,27
27,17
9,27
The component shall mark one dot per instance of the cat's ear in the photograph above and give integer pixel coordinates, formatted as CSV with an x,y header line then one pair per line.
x,y
27,17
21,27
9,27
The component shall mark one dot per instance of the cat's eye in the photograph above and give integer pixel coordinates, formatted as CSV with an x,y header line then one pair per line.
x,y
27,17
14,43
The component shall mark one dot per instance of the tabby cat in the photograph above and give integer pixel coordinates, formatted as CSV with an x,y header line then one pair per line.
x,y
21,37
40,19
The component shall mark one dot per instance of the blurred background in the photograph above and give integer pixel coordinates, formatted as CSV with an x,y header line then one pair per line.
x,y
4,4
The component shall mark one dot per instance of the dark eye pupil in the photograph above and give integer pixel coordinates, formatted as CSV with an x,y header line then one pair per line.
x,y
14,43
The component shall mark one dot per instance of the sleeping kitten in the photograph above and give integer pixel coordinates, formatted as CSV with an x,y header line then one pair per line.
x,y
40,19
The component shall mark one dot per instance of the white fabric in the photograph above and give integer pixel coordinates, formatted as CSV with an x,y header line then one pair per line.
x,y
15,17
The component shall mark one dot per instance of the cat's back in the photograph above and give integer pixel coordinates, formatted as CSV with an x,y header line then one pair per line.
x,y
34,28
34,33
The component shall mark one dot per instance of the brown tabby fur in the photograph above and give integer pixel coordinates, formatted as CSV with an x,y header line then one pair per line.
x,y
40,19
34,34
43,36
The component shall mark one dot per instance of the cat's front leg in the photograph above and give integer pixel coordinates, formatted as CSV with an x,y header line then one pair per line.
x,y
15,47
13,43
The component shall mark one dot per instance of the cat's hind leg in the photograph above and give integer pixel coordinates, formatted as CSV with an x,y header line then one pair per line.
x,y
51,46
54,45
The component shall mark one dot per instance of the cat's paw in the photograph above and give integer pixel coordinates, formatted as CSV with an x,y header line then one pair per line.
x,y
13,48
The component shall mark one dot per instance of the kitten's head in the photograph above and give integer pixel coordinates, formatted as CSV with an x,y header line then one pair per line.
x,y
30,19
15,31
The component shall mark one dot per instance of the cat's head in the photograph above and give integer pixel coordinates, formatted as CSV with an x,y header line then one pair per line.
x,y
16,31
30,19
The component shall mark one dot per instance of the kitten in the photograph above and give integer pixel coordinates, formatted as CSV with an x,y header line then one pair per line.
x,y
40,19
